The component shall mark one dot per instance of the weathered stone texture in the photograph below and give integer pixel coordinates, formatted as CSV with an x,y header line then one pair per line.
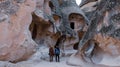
x,y
15,38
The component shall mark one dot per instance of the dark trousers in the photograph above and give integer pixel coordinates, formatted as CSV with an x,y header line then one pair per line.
x,y
57,58
51,58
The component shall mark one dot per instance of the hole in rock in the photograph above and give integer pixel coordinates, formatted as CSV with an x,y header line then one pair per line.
x,y
75,46
77,21
51,5
40,29
72,25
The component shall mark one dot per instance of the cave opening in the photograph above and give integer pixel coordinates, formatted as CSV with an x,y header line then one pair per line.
x,y
41,30
72,25
75,46
33,27
77,21
34,32
51,5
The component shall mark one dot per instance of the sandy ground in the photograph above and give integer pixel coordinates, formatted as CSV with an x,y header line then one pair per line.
x,y
44,63
41,59
62,63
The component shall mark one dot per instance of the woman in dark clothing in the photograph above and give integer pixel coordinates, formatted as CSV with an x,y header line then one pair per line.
x,y
51,53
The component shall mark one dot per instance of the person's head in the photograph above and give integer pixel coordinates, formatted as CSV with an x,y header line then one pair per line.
x,y
50,46
56,46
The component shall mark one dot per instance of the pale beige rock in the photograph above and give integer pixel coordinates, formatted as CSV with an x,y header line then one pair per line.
x,y
15,38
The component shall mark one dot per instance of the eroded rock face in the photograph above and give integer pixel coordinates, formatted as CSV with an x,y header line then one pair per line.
x,y
51,20
107,36
69,19
109,44
15,38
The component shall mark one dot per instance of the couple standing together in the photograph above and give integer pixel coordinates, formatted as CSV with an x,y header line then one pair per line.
x,y
54,51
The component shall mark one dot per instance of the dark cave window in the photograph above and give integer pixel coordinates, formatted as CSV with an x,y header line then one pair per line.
x,y
75,46
72,25
34,32
51,5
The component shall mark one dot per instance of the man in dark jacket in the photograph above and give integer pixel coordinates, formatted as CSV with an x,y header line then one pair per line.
x,y
57,53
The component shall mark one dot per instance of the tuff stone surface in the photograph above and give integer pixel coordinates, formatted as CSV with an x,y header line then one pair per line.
x,y
15,39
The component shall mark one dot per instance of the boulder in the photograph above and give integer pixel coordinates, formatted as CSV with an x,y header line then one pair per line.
x,y
15,39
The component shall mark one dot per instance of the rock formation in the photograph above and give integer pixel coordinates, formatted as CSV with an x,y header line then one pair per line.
x,y
15,39
104,31
67,19
92,28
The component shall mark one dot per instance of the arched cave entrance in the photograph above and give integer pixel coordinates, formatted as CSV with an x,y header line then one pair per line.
x,y
33,27
75,46
77,21
40,29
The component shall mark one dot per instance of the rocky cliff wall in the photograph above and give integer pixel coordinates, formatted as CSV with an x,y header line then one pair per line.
x,y
15,38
